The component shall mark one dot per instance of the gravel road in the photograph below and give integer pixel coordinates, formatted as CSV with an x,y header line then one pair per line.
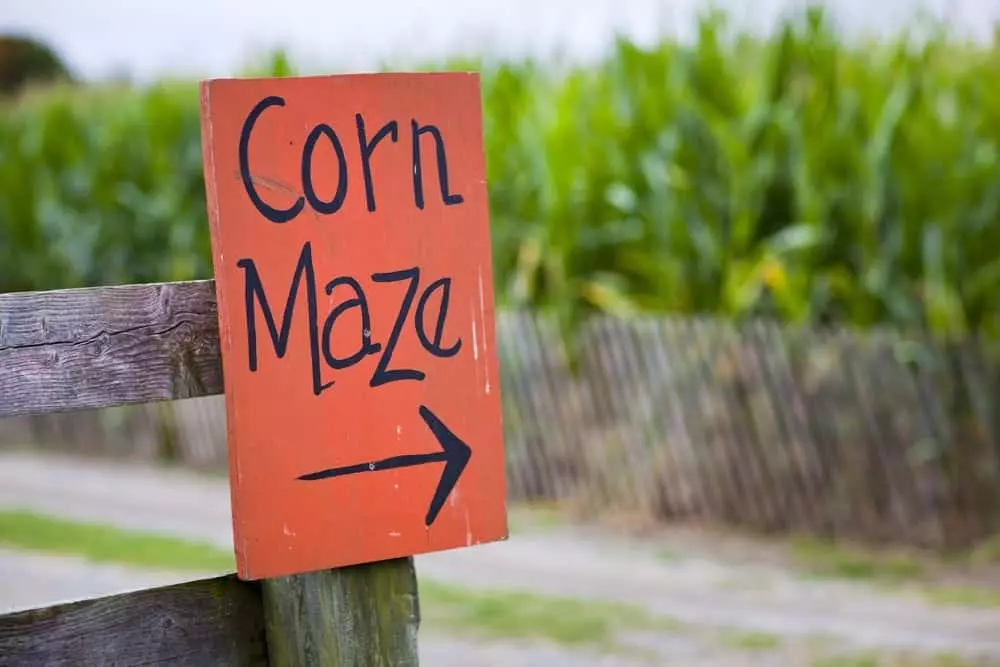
x,y
706,592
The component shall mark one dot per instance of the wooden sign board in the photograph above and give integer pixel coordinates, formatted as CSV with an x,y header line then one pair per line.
x,y
350,235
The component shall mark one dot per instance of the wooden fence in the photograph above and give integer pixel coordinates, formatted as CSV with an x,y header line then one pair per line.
x,y
114,346
872,436
875,435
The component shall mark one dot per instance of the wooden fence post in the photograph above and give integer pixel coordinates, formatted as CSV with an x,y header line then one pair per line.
x,y
360,615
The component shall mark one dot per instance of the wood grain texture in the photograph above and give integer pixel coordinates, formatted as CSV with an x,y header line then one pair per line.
x,y
209,622
106,346
361,616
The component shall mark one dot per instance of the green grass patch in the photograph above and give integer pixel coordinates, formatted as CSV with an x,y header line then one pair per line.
x,y
523,615
829,559
963,596
532,517
23,529
669,556
752,640
986,552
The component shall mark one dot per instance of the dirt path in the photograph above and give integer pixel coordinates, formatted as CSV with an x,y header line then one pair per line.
x,y
698,588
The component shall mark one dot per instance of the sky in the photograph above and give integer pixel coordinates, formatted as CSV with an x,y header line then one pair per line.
x,y
205,38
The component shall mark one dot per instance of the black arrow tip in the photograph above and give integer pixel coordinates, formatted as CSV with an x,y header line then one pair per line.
x,y
456,457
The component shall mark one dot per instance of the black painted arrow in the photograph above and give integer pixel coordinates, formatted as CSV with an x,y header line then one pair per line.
x,y
454,453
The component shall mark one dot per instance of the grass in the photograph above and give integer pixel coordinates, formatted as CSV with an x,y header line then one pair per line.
x,y
28,530
523,615
531,517
963,596
669,556
825,558
491,613
752,640
986,553
828,559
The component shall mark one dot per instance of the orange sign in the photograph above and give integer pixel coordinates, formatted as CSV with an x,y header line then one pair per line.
x,y
350,236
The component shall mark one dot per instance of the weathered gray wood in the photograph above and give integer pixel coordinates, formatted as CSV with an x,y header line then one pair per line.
x,y
106,346
361,616
210,622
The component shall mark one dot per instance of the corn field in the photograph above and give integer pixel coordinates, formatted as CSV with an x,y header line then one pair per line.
x,y
869,436
802,176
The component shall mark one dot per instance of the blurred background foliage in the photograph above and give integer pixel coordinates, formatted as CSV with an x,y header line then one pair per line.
x,y
26,61
799,175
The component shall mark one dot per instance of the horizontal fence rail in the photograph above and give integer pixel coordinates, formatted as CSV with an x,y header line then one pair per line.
x,y
868,435
209,622
108,346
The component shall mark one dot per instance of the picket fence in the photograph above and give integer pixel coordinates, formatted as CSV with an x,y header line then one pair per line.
x,y
876,435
